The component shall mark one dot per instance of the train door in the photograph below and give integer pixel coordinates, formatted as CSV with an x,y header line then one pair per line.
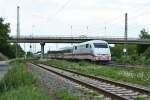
x,y
74,52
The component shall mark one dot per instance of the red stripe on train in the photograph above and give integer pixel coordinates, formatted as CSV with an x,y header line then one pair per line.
x,y
91,54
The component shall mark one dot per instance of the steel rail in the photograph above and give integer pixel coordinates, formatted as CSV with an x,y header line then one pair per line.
x,y
135,88
106,93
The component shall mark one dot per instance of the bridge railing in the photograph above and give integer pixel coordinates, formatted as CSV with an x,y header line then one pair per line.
x,y
69,37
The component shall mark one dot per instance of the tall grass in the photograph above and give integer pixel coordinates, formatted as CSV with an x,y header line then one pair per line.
x,y
24,93
19,84
17,76
133,75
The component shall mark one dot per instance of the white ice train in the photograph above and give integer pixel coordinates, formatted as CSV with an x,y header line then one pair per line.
x,y
94,50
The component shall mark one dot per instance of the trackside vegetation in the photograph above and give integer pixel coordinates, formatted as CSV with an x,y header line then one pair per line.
x,y
19,84
65,95
133,75
136,54
6,48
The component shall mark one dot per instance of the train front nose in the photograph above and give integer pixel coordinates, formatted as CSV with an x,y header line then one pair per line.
x,y
103,54
103,57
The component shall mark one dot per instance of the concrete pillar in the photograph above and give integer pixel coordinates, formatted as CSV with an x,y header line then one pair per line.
x,y
42,49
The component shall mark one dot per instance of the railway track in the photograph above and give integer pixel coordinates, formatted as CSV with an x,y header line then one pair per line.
x,y
112,89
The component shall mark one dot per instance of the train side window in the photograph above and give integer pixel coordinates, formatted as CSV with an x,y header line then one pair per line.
x,y
87,45
75,47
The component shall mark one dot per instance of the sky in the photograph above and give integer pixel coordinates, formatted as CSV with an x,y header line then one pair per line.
x,y
103,18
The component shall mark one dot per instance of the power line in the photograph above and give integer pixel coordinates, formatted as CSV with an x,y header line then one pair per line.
x,y
63,6
140,25
136,16
60,9
141,9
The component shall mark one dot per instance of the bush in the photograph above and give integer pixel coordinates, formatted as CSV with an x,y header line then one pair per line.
x,y
133,59
114,58
140,60
124,60
147,61
147,53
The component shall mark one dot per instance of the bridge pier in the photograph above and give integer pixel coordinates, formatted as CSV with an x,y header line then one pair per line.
x,y
42,49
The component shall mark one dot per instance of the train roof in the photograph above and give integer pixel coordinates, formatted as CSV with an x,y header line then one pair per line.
x,y
92,41
87,42
64,48
96,41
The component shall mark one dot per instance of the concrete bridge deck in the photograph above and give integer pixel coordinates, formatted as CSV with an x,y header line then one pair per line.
x,y
77,40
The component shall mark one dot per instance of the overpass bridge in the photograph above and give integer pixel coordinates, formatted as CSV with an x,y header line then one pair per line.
x,y
30,39
43,40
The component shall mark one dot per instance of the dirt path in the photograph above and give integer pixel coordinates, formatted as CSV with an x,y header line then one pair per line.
x,y
4,66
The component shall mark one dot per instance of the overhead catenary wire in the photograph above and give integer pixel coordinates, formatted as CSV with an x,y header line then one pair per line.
x,y
59,10
110,22
136,16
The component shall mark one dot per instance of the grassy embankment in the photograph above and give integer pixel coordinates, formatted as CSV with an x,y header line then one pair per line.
x,y
133,75
19,84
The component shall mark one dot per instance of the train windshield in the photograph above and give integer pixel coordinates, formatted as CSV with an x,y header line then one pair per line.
x,y
100,45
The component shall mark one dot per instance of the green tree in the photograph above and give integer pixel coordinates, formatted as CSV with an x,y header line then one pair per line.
x,y
117,51
12,51
5,48
144,35
4,30
147,53
29,54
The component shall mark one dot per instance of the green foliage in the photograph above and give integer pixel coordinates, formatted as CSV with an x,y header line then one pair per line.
x,y
24,93
117,51
19,84
82,63
139,98
133,75
147,53
144,35
16,76
10,51
133,59
29,54
4,30
6,48
64,95
124,60
147,61
137,54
